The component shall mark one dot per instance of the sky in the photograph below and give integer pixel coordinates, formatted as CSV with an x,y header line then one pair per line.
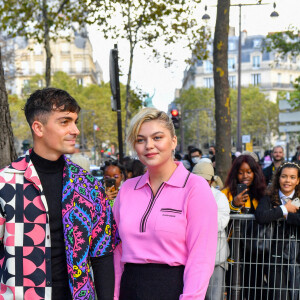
x,y
153,77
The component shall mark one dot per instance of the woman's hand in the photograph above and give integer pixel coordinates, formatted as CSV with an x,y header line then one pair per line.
x,y
111,193
241,198
290,207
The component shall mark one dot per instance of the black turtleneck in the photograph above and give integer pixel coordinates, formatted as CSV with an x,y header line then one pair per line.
x,y
51,176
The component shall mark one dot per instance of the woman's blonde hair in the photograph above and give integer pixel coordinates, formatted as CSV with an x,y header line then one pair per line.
x,y
146,115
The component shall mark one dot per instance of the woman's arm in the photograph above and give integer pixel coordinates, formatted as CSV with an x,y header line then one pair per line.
x,y
265,213
201,241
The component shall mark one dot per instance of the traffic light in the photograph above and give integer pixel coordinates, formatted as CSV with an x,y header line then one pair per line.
x,y
175,118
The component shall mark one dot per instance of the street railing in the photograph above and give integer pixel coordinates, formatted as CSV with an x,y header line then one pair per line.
x,y
264,260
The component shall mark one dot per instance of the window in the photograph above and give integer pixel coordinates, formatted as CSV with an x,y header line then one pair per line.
x,y
209,82
80,81
38,67
78,66
256,79
231,46
25,67
37,49
65,48
232,81
256,61
257,43
279,78
208,67
40,83
231,64
66,67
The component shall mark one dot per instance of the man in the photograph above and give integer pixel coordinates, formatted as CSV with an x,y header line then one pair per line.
x,y
54,216
212,154
278,158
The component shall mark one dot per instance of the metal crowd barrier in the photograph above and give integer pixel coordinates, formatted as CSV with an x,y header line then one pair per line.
x,y
263,263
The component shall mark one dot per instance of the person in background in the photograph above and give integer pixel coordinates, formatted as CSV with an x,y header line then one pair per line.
x,y
245,170
295,158
216,286
138,168
278,159
284,273
113,176
54,217
217,182
167,220
212,154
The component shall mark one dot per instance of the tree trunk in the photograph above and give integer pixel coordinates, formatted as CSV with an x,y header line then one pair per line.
x,y
47,44
7,149
222,101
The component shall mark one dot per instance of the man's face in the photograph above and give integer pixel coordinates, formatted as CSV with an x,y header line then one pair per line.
x,y
57,136
278,154
195,154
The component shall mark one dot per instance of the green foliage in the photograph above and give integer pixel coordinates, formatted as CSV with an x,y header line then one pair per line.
x,y
259,115
95,104
197,105
197,114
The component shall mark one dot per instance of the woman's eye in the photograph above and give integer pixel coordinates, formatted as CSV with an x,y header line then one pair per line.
x,y
157,138
139,140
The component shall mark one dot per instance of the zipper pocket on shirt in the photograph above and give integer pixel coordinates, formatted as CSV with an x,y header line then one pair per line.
x,y
176,211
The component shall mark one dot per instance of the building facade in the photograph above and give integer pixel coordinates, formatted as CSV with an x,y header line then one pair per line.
x,y
258,68
74,57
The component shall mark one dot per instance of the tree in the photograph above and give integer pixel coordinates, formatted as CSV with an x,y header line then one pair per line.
x,y
221,88
7,149
261,126
42,21
197,111
143,22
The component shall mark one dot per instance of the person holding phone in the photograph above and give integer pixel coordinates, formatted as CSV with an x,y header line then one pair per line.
x,y
114,175
167,220
245,187
281,202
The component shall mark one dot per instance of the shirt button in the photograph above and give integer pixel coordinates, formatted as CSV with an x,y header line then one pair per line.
x,y
48,283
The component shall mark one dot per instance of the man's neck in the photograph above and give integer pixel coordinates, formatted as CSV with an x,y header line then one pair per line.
x,y
277,163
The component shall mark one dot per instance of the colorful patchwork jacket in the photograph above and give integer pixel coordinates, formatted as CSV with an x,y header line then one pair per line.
x,y
25,244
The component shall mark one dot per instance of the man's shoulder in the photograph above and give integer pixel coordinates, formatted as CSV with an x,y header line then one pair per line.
x,y
18,165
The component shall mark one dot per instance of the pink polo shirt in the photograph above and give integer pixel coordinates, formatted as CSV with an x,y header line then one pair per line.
x,y
177,226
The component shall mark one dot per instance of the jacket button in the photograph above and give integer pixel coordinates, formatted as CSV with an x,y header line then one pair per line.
x,y
47,259
48,283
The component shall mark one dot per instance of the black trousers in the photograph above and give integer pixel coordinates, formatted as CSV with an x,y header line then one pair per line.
x,y
151,282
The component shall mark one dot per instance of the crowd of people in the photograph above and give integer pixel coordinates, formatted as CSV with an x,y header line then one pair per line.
x,y
155,228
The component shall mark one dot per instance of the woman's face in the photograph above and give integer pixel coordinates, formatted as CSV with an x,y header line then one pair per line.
x,y
288,180
245,174
114,172
154,144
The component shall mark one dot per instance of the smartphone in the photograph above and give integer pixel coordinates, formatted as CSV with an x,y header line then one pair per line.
x,y
109,182
296,202
241,187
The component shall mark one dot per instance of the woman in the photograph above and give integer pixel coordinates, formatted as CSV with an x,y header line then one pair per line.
x,y
167,220
277,205
245,170
115,171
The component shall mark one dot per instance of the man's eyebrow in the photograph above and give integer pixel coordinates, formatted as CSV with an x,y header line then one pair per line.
x,y
67,118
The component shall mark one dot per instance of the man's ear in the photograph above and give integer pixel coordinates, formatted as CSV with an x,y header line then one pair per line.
x,y
37,128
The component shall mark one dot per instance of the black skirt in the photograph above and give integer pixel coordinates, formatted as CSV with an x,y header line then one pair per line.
x,y
151,282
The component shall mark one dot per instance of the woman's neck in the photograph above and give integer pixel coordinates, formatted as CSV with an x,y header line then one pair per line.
x,y
158,175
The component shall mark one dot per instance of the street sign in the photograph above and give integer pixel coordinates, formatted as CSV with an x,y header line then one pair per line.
x,y
246,139
289,117
289,128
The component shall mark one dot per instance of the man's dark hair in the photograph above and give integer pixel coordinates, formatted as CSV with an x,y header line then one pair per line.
x,y
195,150
42,102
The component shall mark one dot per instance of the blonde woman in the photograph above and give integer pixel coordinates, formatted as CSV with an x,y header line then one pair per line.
x,y
167,220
